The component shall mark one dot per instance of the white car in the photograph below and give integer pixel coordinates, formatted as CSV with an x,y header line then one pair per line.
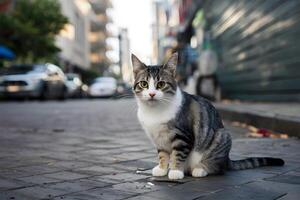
x,y
103,87
43,81
74,85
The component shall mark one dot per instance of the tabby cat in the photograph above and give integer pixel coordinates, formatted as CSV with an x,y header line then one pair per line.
x,y
186,130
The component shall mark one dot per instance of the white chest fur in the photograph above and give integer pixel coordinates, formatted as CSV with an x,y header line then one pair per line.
x,y
154,120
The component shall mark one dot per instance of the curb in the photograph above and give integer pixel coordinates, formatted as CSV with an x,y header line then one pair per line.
x,y
279,123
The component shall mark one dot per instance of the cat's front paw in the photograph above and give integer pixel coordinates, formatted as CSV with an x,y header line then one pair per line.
x,y
199,172
175,174
157,171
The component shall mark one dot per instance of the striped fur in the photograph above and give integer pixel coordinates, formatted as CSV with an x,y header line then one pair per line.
x,y
254,162
186,129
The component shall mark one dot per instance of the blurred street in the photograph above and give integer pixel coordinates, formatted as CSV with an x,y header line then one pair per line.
x,y
95,149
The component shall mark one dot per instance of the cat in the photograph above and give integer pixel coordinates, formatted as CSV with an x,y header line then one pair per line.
x,y
186,130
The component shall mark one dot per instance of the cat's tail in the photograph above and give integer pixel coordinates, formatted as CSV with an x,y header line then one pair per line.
x,y
250,163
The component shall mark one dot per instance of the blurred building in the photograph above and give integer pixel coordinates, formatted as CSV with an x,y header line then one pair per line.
x,y
73,39
124,56
164,27
83,40
256,42
98,35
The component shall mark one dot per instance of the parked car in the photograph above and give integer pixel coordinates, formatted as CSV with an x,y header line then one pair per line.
x,y
103,87
124,90
42,81
74,85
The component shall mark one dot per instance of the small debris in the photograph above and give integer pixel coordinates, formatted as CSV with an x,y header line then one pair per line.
x,y
50,163
149,183
147,186
260,132
265,133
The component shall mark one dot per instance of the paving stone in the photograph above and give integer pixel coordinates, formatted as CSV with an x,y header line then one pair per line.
x,y
293,173
6,184
14,173
70,164
130,156
123,167
13,195
248,175
105,180
142,197
98,170
38,179
39,192
291,179
42,169
95,159
175,193
76,196
279,170
65,175
140,164
123,177
211,185
244,192
103,194
76,185
257,190
290,196
100,151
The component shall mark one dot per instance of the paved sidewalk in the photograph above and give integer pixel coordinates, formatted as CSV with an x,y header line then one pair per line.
x,y
97,150
280,117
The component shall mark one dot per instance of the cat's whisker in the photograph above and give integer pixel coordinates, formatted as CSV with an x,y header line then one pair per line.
x,y
166,100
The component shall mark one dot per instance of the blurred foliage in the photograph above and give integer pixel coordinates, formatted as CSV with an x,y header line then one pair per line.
x,y
30,29
89,75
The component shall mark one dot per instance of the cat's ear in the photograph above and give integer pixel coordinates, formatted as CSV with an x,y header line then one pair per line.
x,y
171,64
137,65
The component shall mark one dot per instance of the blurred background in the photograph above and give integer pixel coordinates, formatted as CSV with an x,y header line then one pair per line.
x,y
245,50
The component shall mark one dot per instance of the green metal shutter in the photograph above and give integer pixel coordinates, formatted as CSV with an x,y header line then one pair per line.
x,y
259,43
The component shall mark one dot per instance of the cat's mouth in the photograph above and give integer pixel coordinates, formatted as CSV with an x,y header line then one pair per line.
x,y
152,99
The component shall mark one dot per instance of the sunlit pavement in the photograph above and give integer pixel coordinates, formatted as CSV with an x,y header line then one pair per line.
x,y
95,149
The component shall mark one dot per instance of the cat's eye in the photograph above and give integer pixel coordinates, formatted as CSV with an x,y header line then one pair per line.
x,y
143,84
161,84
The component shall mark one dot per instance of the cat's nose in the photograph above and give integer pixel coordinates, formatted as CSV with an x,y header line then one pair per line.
x,y
152,94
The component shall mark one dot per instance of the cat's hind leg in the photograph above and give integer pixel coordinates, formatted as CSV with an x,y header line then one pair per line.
x,y
195,166
199,172
215,157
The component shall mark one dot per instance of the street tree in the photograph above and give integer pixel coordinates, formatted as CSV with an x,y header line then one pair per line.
x,y
29,29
